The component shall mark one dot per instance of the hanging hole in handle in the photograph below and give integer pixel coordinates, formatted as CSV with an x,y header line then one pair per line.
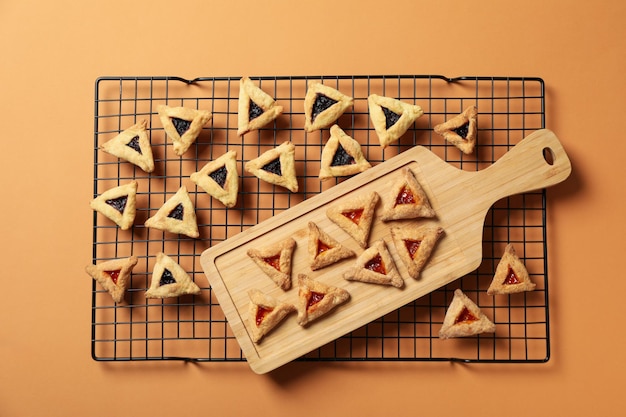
x,y
548,155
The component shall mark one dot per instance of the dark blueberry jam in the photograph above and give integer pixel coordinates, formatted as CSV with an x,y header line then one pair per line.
x,y
462,131
134,144
181,125
219,176
118,203
342,158
320,104
273,167
391,118
177,213
167,278
254,111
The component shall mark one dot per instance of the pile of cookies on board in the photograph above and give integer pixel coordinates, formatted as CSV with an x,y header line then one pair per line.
x,y
414,243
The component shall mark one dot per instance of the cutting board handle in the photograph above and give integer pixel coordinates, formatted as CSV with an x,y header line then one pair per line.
x,y
536,162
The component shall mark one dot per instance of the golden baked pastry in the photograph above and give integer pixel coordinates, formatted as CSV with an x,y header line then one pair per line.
x,y
375,265
415,244
265,313
220,178
323,105
132,145
407,200
316,299
275,261
324,250
169,279
118,204
511,275
256,107
176,215
461,130
391,117
341,156
113,275
183,125
355,216
464,318
276,166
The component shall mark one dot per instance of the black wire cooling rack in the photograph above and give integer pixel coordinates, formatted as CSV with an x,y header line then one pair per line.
x,y
194,328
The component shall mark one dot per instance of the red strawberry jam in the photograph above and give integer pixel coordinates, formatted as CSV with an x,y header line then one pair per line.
x,y
314,298
261,312
406,197
273,261
466,316
114,275
354,215
412,246
511,278
376,264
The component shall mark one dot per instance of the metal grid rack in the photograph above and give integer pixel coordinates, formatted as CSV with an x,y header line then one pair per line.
x,y
193,328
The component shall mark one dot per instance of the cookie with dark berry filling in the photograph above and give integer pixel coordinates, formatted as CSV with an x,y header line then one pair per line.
x,y
132,145
276,166
391,117
341,156
118,204
176,215
323,105
461,130
183,125
256,108
220,178
169,279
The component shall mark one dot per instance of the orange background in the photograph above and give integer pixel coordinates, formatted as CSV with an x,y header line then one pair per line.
x,y
51,54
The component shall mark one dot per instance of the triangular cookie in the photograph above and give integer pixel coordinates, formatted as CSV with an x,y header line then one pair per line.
x,y
407,200
511,275
460,130
316,299
464,318
220,178
132,145
118,204
414,245
276,166
391,117
113,275
275,261
169,279
324,250
341,156
355,216
176,215
256,107
375,265
265,313
323,105
183,125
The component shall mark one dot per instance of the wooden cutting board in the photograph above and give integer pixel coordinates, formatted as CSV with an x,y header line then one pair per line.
x,y
461,200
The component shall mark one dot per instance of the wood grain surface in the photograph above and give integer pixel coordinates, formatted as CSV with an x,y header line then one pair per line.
x,y
461,200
